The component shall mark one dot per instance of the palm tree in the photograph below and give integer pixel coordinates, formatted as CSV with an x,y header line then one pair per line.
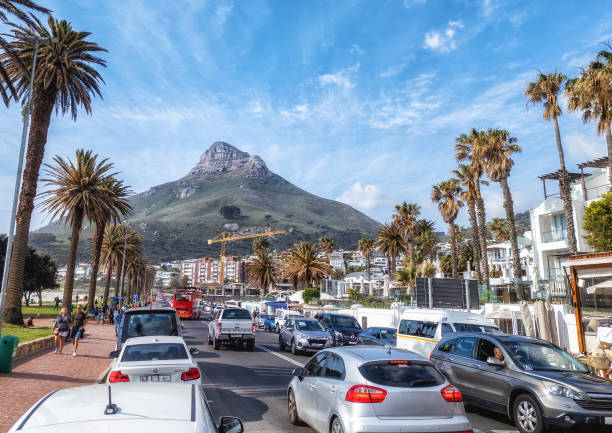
x,y
327,244
113,244
76,192
366,248
406,277
464,151
590,93
447,194
405,217
496,153
260,244
303,264
262,272
117,206
390,243
545,90
65,79
499,228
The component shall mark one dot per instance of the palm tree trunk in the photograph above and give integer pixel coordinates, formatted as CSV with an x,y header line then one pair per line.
x,y
117,277
609,144
452,234
42,107
95,265
475,240
368,267
565,192
482,235
74,244
109,271
516,259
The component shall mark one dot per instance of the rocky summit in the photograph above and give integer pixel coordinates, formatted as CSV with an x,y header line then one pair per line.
x,y
225,158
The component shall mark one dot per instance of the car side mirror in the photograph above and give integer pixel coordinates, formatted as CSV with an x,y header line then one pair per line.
x,y
230,424
495,362
298,372
193,351
114,354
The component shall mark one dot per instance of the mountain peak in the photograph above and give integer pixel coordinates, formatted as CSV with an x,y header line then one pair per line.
x,y
222,157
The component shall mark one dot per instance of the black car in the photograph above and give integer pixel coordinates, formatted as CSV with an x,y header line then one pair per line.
x,y
142,322
377,336
345,329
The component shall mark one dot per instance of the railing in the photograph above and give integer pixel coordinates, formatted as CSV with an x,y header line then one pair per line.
x,y
556,274
597,192
554,236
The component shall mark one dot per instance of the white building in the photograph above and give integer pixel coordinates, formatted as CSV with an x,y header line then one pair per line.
x,y
336,260
500,257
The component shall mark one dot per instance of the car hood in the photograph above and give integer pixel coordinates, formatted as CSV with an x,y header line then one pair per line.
x,y
582,381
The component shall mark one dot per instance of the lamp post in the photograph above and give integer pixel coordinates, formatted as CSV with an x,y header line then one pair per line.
x,y
126,226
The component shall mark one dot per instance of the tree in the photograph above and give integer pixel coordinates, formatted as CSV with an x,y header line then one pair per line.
x,y
390,243
39,275
425,241
366,248
262,272
407,275
327,244
65,79
309,294
545,90
499,229
303,264
591,94
76,191
260,244
598,223
353,294
116,238
406,217
446,194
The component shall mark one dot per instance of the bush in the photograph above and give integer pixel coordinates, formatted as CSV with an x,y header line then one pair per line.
x,y
309,294
598,223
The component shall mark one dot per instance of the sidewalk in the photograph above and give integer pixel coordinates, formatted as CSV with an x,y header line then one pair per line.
x,y
36,375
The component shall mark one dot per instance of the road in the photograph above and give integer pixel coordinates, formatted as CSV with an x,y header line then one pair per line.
x,y
252,385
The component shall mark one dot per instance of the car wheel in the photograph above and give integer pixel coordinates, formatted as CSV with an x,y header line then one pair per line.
x,y
336,426
281,345
527,414
250,345
217,344
294,418
294,349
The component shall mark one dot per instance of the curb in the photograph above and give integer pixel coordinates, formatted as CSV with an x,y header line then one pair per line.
x,y
102,376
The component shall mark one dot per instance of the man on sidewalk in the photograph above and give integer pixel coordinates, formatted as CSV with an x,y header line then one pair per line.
x,y
78,328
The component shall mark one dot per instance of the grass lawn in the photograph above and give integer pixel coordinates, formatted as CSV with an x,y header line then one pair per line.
x,y
25,333
34,310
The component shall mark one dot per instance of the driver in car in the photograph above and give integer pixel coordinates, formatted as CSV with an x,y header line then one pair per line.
x,y
498,354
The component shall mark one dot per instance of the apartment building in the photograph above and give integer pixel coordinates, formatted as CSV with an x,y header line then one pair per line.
x,y
206,270
500,257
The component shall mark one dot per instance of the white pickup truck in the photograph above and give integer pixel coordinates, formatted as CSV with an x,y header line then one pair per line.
x,y
233,326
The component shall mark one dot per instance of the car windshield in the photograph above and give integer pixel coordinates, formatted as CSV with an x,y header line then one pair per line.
x,y
471,327
344,322
388,333
308,325
534,356
145,324
401,375
236,315
154,352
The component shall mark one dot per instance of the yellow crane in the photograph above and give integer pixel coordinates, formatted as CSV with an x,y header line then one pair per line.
x,y
232,236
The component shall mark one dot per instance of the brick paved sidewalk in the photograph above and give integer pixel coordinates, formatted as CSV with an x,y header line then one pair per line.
x,y
38,374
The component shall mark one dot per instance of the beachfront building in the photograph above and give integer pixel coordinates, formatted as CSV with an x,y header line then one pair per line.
x,y
500,257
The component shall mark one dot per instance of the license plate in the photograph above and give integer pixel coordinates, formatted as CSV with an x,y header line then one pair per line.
x,y
607,420
236,335
156,378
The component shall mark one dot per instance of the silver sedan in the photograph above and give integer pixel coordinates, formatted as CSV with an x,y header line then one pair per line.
x,y
374,389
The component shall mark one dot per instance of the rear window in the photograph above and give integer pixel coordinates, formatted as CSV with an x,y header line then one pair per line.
x,y
236,315
146,324
418,328
345,322
411,375
154,352
471,327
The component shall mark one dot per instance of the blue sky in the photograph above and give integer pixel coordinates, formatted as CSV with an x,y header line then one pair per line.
x,y
352,100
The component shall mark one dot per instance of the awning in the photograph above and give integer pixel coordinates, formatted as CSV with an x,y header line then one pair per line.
x,y
603,288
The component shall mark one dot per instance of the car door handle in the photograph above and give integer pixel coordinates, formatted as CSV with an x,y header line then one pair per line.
x,y
332,389
476,365
450,358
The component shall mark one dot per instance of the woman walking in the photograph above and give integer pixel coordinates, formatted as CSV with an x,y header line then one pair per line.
x,y
61,328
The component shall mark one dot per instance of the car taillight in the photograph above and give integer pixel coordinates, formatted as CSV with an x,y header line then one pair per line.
x,y
219,326
365,394
254,326
117,376
452,394
191,374
403,362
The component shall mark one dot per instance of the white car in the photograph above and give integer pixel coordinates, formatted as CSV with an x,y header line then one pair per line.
x,y
155,359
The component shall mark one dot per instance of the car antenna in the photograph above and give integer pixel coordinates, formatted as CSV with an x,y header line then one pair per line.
x,y
111,408
388,349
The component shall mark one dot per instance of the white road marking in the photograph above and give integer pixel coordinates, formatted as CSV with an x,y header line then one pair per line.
x,y
286,358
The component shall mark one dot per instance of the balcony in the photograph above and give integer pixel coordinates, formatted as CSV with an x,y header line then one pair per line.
x,y
596,192
554,236
556,274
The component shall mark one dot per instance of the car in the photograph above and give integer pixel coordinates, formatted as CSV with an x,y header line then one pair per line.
x,y
374,389
345,329
261,319
303,335
133,407
282,315
270,323
377,336
533,382
142,322
155,359
233,326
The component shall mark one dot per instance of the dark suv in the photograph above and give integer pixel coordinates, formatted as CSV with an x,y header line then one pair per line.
x,y
345,329
142,322
532,381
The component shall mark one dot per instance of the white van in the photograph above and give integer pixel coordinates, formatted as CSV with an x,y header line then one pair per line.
x,y
281,317
420,330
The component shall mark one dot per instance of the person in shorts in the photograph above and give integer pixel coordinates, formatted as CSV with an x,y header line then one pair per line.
x,y
78,328
61,328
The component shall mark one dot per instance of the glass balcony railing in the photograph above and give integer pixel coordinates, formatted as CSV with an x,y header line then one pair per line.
x,y
555,274
554,236
597,192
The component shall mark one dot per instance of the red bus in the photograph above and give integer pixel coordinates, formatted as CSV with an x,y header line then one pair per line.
x,y
183,304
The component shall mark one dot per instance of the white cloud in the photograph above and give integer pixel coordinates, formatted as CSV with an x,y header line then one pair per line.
x,y
443,41
582,147
365,197
356,49
220,18
393,70
340,78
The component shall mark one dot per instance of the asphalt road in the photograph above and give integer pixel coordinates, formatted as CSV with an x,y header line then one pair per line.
x,y
252,385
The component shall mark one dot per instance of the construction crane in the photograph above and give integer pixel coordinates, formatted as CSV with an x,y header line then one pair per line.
x,y
232,236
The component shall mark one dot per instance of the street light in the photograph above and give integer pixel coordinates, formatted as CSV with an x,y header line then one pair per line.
x,y
24,135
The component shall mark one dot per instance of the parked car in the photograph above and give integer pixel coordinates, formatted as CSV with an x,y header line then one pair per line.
x,y
261,320
133,407
281,317
345,329
142,322
270,323
420,330
303,335
357,389
376,336
532,381
155,359
233,326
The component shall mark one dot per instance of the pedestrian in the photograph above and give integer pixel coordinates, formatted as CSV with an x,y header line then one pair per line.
x,y
117,318
77,299
78,328
57,300
61,328
96,302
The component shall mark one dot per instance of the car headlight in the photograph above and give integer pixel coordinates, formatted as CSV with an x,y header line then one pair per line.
x,y
562,391
338,335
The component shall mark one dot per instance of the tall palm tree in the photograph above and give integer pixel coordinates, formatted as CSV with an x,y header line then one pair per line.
x,y
464,151
76,191
406,217
545,90
113,244
366,248
262,272
390,243
117,206
304,265
499,229
65,79
260,244
591,93
327,244
446,194
496,153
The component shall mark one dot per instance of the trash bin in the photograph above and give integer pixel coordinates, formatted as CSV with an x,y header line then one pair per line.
x,y
8,349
